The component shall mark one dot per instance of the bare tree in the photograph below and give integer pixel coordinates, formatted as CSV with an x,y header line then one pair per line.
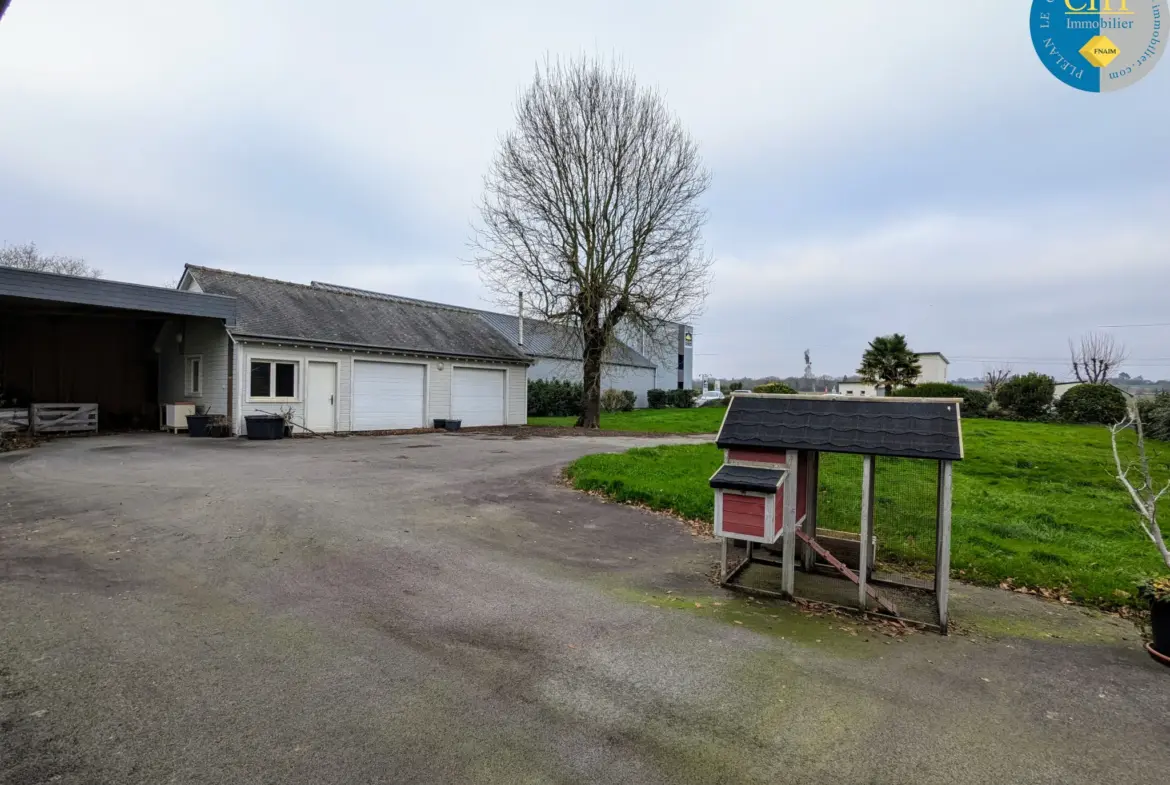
x,y
994,376
27,257
591,207
1096,357
1144,497
4,7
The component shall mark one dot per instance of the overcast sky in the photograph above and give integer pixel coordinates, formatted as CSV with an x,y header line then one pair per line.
x,y
874,172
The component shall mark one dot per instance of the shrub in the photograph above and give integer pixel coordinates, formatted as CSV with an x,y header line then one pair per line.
x,y
776,388
656,399
618,401
683,399
1028,397
1092,403
1155,414
975,402
554,398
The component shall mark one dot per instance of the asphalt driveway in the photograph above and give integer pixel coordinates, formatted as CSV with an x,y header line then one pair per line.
x,y
436,609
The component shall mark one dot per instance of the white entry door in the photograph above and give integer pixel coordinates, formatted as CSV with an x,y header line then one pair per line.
x,y
321,400
388,396
477,396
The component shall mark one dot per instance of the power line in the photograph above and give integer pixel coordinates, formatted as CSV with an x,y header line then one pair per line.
x,y
1116,326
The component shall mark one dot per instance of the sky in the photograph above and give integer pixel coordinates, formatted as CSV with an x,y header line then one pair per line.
x,y
874,171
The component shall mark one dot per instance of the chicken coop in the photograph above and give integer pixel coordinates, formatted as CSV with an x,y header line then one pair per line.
x,y
879,470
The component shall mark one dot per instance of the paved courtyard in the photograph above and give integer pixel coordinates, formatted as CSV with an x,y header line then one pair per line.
x,y
436,609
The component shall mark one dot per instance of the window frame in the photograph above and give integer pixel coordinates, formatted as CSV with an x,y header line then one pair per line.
x,y
272,362
189,377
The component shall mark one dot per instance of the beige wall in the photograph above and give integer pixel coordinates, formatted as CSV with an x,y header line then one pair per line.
x,y
934,369
438,381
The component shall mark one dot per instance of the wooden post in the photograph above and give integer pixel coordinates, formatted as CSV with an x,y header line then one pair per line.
x,y
867,478
942,561
788,574
813,468
722,559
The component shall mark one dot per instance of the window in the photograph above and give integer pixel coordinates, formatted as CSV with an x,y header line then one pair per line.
x,y
193,376
863,392
272,379
680,385
849,392
682,361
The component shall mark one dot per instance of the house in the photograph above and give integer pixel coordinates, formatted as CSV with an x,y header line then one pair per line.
x,y
933,368
660,361
340,361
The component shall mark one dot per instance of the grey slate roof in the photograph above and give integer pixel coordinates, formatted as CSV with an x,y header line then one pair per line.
x,y
897,427
541,339
747,478
113,294
557,341
281,310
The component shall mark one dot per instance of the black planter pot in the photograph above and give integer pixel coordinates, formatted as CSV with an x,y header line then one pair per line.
x,y
197,424
1160,625
439,425
452,425
264,426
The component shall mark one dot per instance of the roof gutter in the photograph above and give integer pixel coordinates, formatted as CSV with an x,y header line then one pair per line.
x,y
342,345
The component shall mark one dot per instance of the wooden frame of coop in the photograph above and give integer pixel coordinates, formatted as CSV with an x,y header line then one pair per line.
x,y
766,489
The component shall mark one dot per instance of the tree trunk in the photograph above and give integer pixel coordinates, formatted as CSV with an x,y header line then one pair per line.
x,y
591,395
889,390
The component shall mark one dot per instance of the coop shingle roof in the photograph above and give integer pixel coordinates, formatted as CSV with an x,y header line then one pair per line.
x,y
904,428
278,309
747,478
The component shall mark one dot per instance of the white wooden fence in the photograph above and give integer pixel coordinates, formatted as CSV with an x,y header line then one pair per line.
x,y
51,418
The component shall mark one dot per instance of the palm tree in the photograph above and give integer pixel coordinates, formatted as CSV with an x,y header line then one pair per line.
x,y
888,361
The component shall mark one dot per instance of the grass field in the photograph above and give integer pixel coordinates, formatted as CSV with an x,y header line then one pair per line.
x,y
1034,503
650,420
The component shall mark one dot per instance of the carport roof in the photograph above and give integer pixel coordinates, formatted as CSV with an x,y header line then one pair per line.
x,y
75,290
280,310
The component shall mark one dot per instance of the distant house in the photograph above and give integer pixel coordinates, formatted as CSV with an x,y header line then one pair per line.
x,y
933,366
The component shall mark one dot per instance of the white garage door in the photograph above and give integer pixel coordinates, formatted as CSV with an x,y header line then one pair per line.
x,y
477,396
388,396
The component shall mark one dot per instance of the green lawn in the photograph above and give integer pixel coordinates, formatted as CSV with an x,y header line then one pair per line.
x,y
1034,503
650,420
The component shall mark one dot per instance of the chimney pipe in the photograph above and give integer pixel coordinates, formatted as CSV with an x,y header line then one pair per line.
x,y
520,314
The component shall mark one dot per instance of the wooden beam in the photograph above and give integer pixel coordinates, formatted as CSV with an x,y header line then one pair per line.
x,y
942,561
867,477
813,469
788,574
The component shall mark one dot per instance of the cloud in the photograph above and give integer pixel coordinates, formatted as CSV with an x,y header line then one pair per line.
x,y
872,168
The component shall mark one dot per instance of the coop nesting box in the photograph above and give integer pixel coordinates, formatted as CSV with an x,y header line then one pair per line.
x,y
750,490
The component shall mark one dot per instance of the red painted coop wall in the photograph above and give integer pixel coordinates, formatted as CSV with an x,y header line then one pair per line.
x,y
756,457
743,514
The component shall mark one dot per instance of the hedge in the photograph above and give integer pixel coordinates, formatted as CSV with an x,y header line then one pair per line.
x,y
1092,403
554,398
618,401
656,399
1155,414
1028,397
975,402
775,388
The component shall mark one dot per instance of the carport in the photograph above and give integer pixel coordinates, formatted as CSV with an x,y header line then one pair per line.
x,y
66,339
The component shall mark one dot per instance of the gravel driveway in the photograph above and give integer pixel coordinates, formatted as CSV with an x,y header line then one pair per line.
x,y
436,609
